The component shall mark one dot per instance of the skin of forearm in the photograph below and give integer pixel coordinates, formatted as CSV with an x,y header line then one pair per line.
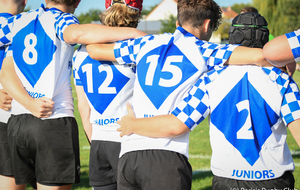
x,y
278,52
159,126
248,56
85,111
96,33
101,52
12,84
294,127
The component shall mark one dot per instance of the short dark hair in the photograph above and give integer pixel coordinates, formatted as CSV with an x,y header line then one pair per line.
x,y
64,2
249,9
195,12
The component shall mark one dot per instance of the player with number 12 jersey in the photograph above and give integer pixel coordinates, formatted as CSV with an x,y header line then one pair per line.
x,y
108,86
43,58
168,65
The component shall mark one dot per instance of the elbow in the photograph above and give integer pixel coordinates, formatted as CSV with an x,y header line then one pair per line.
x,y
178,128
91,51
72,35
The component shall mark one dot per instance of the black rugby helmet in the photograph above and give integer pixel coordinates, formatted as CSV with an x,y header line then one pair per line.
x,y
249,29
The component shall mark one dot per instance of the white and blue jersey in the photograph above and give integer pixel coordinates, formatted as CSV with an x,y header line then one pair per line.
x,y
4,115
43,61
167,66
294,41
249,109
107,86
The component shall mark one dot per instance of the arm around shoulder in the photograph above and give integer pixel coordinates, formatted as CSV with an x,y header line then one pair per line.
x,y
96,33
157,126
278,51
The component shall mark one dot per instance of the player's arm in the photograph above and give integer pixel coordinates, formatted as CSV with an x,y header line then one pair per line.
x,y
96,33
41,107
278,51
5,100
294,127
245,56
157,126
101,51
85,111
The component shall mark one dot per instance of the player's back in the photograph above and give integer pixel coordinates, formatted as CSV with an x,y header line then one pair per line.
x,y
247,130
43,61
167,66
108,87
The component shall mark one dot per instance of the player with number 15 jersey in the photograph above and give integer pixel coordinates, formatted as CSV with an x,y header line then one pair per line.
x,y
167,66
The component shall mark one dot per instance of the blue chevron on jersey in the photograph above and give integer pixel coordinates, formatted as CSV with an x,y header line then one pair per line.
x,y
37,48
158,81
101,85
249,120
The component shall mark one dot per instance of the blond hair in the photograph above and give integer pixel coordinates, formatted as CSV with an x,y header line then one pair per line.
x,y
120,15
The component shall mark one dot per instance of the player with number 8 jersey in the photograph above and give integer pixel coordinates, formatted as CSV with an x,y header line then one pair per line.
x,y
44,52
44,141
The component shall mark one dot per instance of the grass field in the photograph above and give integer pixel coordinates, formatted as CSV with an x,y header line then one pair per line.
x,y
200,152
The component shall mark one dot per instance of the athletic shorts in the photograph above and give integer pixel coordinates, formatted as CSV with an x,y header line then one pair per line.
x,y
286,181
104,157
46,149
154,169
6,168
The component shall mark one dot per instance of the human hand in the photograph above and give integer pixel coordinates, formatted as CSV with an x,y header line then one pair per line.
x,y
291,67
126,121
5,100
40,107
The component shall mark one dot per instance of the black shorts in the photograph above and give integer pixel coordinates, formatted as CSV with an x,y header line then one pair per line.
x,y
47,150
286,181
104,157
6,168
154,169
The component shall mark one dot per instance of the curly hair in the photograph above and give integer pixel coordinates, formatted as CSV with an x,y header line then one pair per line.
x,y
195,12
120,15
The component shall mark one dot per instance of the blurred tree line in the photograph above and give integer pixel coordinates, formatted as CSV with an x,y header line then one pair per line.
x,y
93,15
283,16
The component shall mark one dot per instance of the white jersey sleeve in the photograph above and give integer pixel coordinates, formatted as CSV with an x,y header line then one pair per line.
x,y
108,87
167,66
294,41
249,107
4,115
43,61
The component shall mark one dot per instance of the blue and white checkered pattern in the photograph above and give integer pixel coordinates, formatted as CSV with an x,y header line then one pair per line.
x,y
38,56
5,31
168,65
4,115
63,21
213,54
294,41
126,52
195,106
249,109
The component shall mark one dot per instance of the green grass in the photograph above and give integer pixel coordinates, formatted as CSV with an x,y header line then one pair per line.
x,y
200,152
